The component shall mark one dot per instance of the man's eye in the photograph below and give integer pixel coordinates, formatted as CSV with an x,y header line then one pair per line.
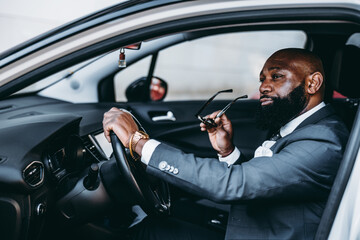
x,y
262,79
275,76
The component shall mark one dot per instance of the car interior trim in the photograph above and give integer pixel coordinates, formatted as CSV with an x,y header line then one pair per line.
x,y
340,181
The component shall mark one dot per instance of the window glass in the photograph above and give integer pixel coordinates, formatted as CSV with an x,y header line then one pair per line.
x,y
128,75
199,68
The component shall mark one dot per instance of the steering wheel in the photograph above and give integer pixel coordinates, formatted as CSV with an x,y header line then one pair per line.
x,y
152,193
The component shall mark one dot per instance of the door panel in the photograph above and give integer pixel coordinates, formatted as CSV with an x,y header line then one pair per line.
x,y
183,131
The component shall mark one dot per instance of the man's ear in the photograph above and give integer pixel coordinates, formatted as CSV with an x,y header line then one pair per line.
x,y
314,83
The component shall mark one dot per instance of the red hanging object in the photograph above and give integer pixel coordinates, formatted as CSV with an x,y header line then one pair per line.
x,y
122,62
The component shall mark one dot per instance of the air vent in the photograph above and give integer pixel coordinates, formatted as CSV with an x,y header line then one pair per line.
x,y
33,174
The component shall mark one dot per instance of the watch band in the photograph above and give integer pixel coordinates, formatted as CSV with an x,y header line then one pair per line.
x,y
134,140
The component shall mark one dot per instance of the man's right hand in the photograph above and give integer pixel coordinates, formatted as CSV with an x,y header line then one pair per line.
x,y
121,123
220,136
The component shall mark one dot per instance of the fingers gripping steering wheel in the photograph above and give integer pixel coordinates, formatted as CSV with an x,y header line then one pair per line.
x,y
153,194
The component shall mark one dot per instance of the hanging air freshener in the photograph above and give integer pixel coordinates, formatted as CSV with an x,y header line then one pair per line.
x,y
122,62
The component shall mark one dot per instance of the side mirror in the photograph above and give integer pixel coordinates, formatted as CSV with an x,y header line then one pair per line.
x,y
158,89
141,91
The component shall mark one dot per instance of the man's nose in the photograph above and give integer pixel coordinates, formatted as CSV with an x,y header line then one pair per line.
x,y
265,86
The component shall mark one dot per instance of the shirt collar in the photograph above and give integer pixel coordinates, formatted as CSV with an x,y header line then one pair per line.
x,y
290,126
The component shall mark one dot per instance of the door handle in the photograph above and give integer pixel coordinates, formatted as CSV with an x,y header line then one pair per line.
x,y
168,117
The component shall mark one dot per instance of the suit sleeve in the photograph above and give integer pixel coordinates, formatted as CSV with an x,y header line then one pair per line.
x,y
303,169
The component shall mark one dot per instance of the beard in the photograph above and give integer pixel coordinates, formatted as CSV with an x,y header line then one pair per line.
x,y
282,110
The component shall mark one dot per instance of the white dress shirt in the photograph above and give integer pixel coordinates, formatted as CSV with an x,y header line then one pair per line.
x,y
261,151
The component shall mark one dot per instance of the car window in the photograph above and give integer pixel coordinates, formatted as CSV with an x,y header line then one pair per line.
x,y
199,68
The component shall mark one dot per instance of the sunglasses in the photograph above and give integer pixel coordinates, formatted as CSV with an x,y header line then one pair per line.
x,y
210,122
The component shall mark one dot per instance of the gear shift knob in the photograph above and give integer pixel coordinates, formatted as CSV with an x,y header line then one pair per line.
x,y
91,180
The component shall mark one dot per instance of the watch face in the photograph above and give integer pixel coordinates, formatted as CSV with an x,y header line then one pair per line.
x,y
137,136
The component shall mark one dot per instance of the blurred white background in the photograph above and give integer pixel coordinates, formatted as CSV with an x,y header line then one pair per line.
x,y
21,20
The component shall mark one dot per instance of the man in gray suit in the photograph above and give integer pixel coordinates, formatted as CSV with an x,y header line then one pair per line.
x,y
282,191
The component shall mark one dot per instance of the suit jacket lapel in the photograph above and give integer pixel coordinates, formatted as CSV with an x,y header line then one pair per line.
x,y
316,117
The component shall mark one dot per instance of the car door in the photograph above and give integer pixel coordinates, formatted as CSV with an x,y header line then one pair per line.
x,y
194,71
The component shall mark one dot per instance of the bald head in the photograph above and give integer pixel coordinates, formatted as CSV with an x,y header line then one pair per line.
x,y
308,61
289,70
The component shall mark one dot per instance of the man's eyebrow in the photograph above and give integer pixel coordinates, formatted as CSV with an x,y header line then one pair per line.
x,y
272,68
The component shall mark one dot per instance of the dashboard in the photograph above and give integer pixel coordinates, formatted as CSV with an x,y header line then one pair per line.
x,y
56,142
65,156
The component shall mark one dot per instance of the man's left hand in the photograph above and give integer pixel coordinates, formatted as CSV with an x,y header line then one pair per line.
x,y
220,136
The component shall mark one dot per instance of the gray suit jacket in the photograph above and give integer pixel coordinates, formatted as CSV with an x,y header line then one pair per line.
x,y
278,197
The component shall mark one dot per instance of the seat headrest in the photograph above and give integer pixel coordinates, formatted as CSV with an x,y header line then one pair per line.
x,y
345,76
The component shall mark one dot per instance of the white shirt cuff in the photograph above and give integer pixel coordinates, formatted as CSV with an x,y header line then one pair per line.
x,y
148,150
231,158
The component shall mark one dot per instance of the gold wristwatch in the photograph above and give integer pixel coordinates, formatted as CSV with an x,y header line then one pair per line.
x,y
134,140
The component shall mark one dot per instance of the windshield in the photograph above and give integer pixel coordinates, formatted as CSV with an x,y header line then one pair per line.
x,y
19,24
52,79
